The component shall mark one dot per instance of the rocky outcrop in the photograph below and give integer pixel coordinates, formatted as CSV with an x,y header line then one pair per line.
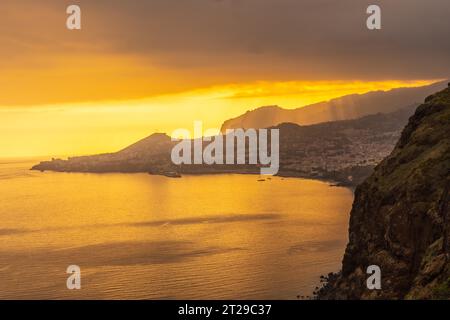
x,y
400,216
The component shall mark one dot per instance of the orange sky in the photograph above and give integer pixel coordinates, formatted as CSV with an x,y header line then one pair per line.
x,y
138,67
108,125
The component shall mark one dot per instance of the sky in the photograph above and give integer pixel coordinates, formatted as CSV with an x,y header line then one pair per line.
x,y
138,67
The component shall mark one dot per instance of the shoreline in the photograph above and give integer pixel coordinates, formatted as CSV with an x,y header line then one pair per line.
x,y
178,175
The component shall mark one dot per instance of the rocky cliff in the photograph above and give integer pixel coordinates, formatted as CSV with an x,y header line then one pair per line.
x,y
400,216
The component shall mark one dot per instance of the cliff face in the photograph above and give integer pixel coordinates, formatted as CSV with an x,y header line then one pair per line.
x,y
400,216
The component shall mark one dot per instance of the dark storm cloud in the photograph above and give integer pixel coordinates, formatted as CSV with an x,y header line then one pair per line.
x,y
311,39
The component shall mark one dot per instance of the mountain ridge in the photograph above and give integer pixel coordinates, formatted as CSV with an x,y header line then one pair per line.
x,y
331,150
343,108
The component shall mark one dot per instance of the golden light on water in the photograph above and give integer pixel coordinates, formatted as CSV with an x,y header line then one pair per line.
x,y
154,241
136,68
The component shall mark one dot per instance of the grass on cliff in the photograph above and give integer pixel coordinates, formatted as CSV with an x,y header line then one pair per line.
x,y
442,291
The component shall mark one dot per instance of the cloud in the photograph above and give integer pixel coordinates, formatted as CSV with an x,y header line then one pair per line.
x,y
314,38
173,43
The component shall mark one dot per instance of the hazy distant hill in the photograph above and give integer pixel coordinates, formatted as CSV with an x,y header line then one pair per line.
x,y
343,108
333,150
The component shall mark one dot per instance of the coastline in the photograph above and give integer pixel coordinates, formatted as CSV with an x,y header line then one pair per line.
x,y
332,182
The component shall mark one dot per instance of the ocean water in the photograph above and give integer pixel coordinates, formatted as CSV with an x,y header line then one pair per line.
x,y
137,236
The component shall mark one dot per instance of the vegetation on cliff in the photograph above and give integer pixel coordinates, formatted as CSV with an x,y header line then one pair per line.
x,y
400,216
